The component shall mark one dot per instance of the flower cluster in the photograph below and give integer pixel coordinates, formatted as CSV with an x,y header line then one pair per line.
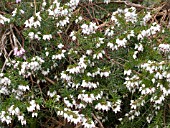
x,y
33,107
89,29
128,13
157,72
149,32
146,18
4,82
4,19
27,68
75,117
6,116
164,48
33,21
73,65
89,98
19,52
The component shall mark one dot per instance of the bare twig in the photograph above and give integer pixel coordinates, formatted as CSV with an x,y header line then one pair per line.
x,y
88,11
19,35
49,80
1,12
78,125
3,40
6,59
101,8
35,6
128,3
100,123
103,25
164,116
15,40
32,82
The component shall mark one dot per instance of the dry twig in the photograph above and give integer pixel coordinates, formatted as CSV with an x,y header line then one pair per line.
x,y
100,123
49,80
128,3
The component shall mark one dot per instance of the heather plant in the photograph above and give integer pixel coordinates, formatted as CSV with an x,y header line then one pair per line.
x,y
84,64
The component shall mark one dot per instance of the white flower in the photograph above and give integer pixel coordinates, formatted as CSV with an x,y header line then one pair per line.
x,y
46,53
146,18
72,34
3,19
11,110
117,109
31,35
88,52
74,38
22,11
130,14
131,34
104,107
121,43
105,74
37,106
23,88
88,124
47,37
127,72
140,37
31,108
51,94
110,45
106,1
164,48
34,114
17,111
14,12
135,54
20,117
5,81
89,29
38,16
139,47
99,55
64,76
80,18
23,122
158,76
60,46
8,119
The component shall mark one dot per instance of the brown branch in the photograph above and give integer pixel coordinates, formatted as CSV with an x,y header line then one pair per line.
x,y
3,13
87,11
94,15
6,59
128,3
100,123
11,41
101,8
113,61
78,125
103,25
19,35
164,116
49,80
32,82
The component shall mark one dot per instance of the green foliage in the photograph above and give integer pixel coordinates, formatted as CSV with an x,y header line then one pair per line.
x,y
83,64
